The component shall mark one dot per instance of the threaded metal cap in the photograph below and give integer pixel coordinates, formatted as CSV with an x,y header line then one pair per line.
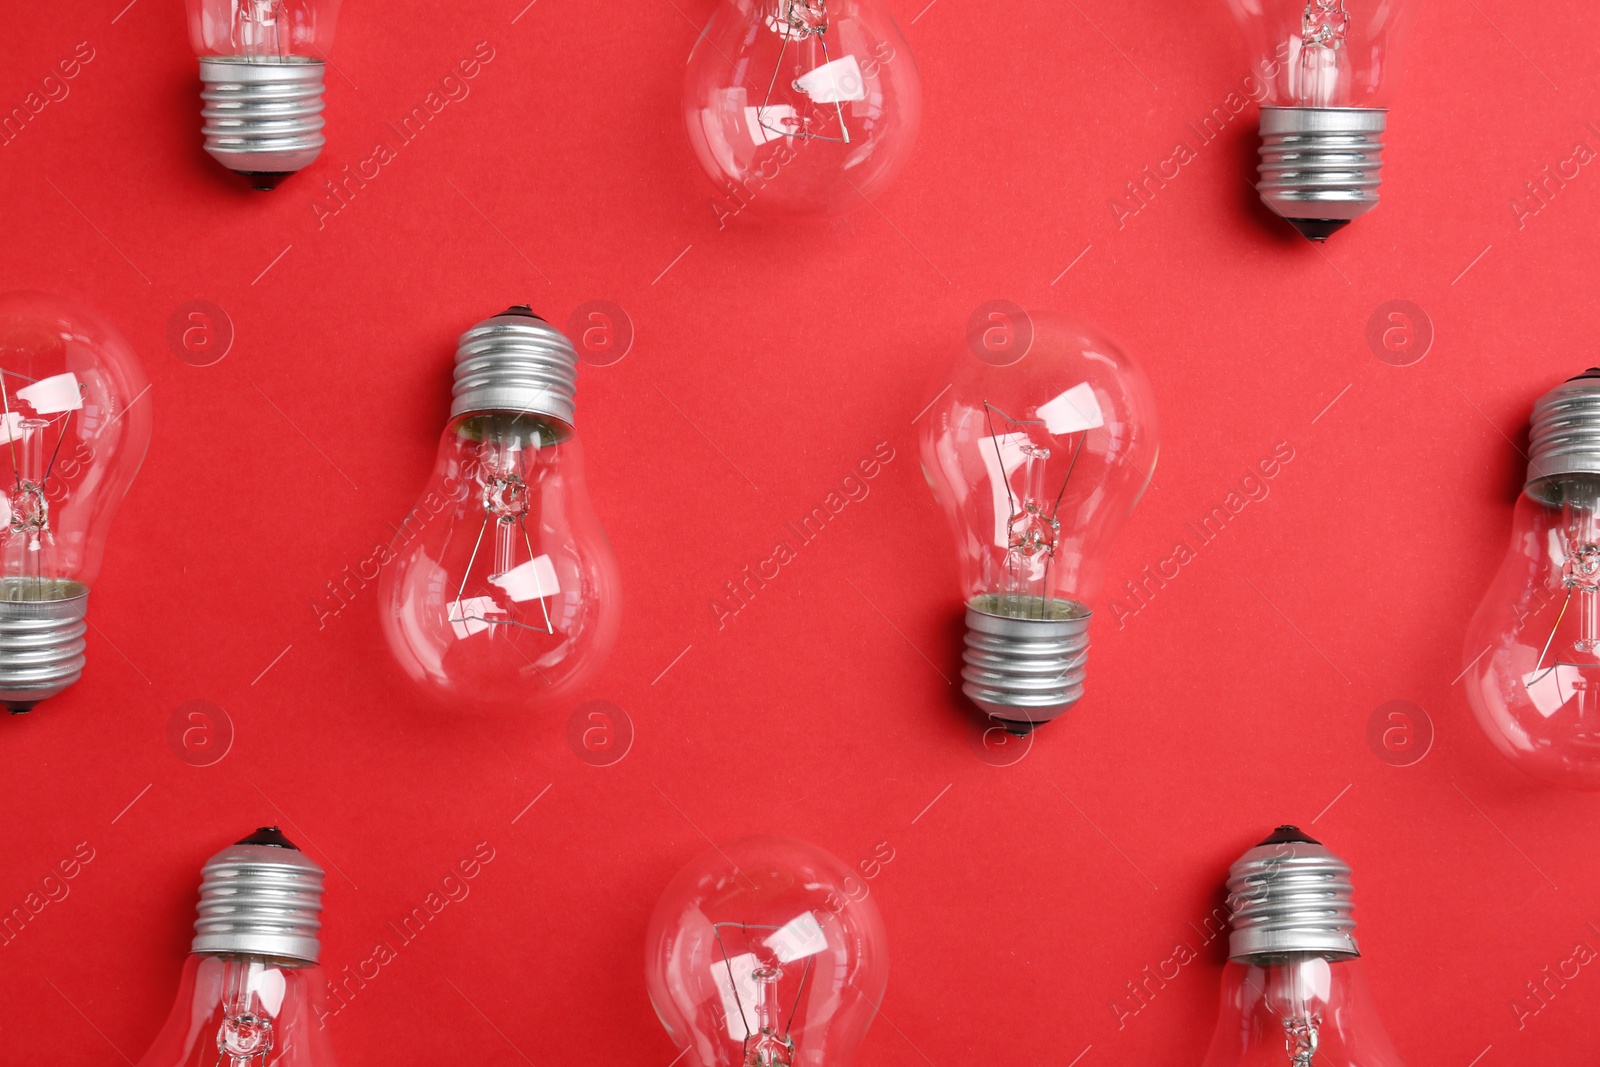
x,y
1564,438
1320,165
1024,660
263,118
516,362
42,629
1290,894
260,897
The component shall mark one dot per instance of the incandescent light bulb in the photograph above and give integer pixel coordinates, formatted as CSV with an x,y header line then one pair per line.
x,y
502,590
801,107
252,993
261,62
766,953
1037,449
1326,69
1294,993
74,427
1533,649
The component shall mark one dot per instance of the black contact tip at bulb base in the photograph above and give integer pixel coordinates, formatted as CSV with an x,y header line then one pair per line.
x,y
1592,372
522,310
1318,230
270,836
1289,835
264,181
1015,727
21,707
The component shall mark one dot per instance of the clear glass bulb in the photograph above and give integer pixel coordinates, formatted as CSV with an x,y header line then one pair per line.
x,y
505,597
1324,53
1533,647
502,592
766,952
245,1011
801,107
1037,451
74,427
1300,1010
262,29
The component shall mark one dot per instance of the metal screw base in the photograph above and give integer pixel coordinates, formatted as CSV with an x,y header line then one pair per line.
x,y
260,897
41,640
263,118
1319,165
1290,894
1564,437
1024,658
516,362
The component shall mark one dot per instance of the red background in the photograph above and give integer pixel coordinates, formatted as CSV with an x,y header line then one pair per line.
x,y
768,361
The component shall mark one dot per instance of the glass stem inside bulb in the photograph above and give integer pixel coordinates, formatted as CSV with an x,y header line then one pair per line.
x,y
1022,464
770,1047
1323,67
245,1035
1579,551
798,18
1580,570
507,472
1299,990
262,34
30,535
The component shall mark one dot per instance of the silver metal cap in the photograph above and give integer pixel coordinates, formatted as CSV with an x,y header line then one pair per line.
x,y
1024,659
1319,165
1290,894
260,897
516,362
1564,438
263,118
41,640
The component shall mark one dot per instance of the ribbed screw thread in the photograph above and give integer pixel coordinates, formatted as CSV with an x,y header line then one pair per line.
x,y
516,362
1290,894
260,897
1024,658
1564,436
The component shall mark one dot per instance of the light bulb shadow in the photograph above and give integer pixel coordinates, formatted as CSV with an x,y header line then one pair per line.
x,y
1242,143
955,706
